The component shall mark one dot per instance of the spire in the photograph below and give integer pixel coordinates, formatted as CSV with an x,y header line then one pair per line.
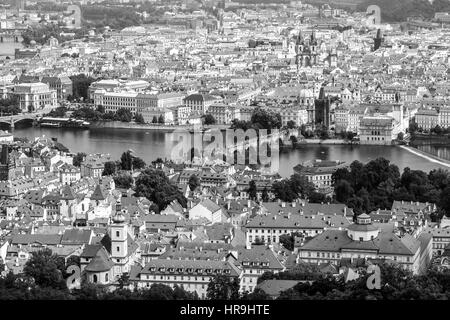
x,y
5,155
98,194
299,37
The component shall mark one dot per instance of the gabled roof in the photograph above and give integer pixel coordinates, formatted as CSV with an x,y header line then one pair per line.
x,y
76,236
101,262
98,194
67,193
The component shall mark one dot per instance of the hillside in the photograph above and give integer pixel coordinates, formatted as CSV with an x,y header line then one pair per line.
x,y
400,10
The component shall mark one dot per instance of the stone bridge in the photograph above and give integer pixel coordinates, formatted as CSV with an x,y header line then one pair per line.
x,y
12,120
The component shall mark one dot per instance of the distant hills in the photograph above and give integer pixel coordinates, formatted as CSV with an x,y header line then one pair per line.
x,y
400,10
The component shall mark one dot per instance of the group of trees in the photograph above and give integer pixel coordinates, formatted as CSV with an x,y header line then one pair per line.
x,y
155,186
397,283
260,119
400,10
99,17
297,186
122,114
438,130
119,169
209,119
367,187
59,112
159,119
10,106
80,87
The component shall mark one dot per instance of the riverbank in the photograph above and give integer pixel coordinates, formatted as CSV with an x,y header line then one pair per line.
x,y
149,127
420,139
326,141
429,157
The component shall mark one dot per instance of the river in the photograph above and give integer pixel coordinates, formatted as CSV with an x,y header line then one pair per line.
x,y
150,145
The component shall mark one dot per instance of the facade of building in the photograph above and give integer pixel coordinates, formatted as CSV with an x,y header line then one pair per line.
x,y
379,130
35,96
267,228
320,172
364,240
191,275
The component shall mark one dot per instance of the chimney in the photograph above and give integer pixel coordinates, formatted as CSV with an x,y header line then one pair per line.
x,y
294,204
283,204
249,203
229,204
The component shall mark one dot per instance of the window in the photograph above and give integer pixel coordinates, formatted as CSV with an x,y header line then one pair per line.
x,y
117,249
94,278
117,234
106,277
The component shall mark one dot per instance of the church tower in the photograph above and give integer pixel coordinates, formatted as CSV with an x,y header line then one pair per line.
x,y
377,40
306,51
119,243
6,165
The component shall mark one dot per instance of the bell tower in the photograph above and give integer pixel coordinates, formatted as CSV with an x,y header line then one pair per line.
x,y
119,243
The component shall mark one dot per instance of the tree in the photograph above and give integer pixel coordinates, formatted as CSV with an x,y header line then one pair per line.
x,y
138,118
265,195
124,115
444,203
400,136
138,163
194,182
78,159
252,190
156,187
110,168
161,119
101,109
438,130
154,120
291,124
343,191
223,287
80,86
413,127
43,268
123,180
209,119
126,160
288,241
262,119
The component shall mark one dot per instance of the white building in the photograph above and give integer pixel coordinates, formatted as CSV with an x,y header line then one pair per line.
x,y
35,96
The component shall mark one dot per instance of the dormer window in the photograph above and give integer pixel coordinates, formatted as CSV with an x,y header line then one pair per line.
x,y
171,269
162,269
179,270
